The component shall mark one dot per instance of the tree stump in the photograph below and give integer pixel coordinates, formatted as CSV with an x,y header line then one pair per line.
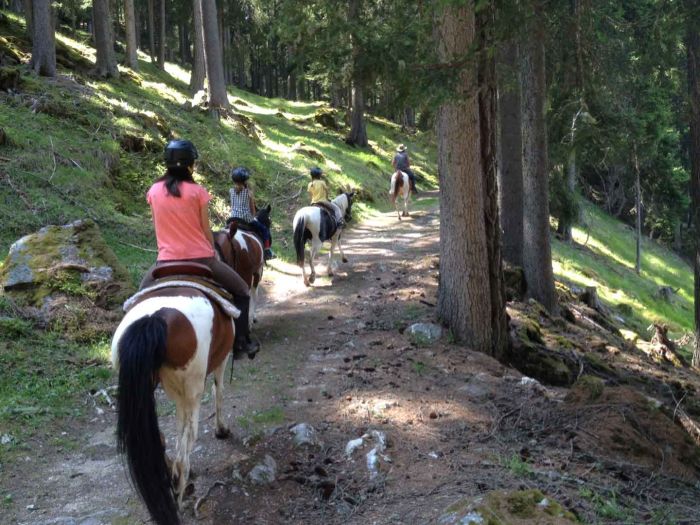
x,y
590,298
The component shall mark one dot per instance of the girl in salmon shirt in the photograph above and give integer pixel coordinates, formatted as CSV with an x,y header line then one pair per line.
x,y
180,209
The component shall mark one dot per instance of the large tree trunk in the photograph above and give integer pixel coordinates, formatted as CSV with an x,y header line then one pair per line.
x,y
218,98
43,41
466,297
106,65
638,218
131,46
537,253
693,47
199,66
510,167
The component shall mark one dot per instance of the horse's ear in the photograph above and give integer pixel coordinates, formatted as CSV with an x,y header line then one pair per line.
x,y
232,229
269,208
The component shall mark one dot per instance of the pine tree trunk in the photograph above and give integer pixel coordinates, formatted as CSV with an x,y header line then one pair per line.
x,y
106,64
199,66
152,30
510,172
638,218
218,98
130,25
464,294
43,41
358,129
693,47
28,10
161,34
537,254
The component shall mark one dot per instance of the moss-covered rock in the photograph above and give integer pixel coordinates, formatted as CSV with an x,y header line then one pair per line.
x,y
523,507
514,279
312,153
328,118
71,260
586,389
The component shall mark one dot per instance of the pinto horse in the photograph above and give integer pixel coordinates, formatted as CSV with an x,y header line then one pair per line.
x,y
175,336
317,225
400,185
242,250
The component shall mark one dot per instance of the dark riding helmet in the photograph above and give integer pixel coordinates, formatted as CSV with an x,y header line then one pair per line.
x,y
240,174
316,172
180,153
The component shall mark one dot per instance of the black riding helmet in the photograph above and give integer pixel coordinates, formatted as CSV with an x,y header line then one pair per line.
x,y
316,172
240,174
180,153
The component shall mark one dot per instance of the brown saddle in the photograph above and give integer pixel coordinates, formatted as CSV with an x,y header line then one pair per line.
x,y
188,268
325,206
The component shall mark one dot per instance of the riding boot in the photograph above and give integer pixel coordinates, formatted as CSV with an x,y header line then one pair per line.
x,y
243,343
269,254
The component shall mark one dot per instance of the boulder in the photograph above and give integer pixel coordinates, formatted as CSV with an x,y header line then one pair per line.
x,y
328,118
425,332
70,261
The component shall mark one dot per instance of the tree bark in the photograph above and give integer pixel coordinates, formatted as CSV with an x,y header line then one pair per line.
x,y
693,47
161,34
218,98
44,40
151,30
106,64
638,218
199,66
465,142
130,26
537,252
28,15
358,129
510,167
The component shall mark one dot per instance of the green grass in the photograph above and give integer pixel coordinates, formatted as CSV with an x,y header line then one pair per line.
x,y
604,256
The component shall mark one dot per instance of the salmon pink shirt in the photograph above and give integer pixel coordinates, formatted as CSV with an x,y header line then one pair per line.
x,y
177,221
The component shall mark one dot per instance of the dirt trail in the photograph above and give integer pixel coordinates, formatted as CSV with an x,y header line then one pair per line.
x,y
338,357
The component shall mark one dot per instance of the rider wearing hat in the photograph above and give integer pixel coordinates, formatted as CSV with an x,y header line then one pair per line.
x,y
401,162
318,191
243,207
181,219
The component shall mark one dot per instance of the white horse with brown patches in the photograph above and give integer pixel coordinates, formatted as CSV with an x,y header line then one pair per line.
x,y
175,336
400,186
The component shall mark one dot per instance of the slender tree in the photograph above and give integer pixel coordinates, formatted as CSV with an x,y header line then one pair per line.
x,y
218,97
43,40
130,26
161,34
28,15
537,252
358,128
106,65
510,168
693,50
468,297
151,30
199,65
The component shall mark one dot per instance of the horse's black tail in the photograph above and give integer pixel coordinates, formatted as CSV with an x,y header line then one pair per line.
x,y
299,239
141,354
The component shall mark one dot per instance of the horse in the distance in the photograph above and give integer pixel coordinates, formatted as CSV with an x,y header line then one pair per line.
x,y
317,224
242,249
400,187
175,332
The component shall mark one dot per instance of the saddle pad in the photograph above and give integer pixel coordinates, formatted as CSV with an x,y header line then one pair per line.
x,y
220,297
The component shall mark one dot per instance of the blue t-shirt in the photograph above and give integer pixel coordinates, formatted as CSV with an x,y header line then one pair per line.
x,y
401,160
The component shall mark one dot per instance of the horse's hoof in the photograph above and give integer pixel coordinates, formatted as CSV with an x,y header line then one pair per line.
x,y
330,274
255,320
189,489
312,278
222,433
345,259
306,282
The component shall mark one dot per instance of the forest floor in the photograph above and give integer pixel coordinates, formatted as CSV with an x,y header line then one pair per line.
x,y
338,357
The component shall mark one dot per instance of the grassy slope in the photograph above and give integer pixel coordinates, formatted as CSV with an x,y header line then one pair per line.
x,y
68,164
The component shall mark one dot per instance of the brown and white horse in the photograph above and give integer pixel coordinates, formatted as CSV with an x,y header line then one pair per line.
x,y
243,251
175,336
400,185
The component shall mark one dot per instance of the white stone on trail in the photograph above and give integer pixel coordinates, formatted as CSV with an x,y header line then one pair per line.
x,y
6,439
304,434
265,472
375,455
430,331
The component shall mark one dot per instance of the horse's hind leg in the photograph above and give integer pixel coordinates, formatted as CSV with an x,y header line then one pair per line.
x,y
405,205
315,248
340,247
330,256
187,408
221,431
